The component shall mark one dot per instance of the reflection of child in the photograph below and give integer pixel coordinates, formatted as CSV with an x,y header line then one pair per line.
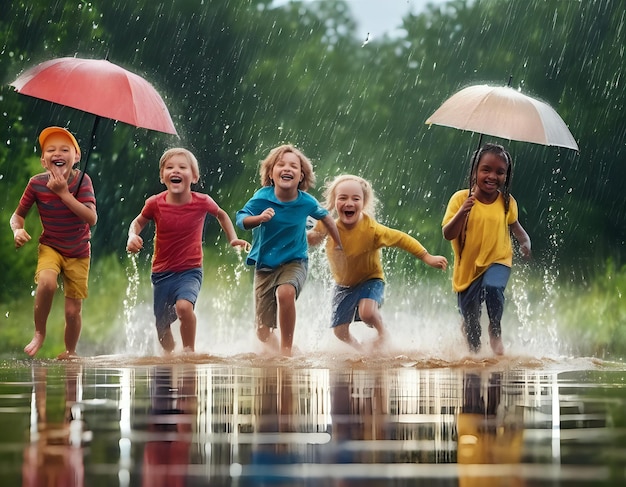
x,y
179,215
277,213
173,412
479,226
358,270
66,216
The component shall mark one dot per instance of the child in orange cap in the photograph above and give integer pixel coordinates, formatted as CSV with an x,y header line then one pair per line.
x,y
66,214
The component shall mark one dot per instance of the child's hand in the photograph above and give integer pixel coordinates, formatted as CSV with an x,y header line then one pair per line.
x,y
436,261
237,242
525,250
57,182
267,215
20,236
467,205
134,244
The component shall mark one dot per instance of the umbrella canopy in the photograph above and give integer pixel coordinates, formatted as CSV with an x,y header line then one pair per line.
x,y
506,113
100,87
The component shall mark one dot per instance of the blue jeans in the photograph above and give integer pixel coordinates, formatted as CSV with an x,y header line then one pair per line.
x,y
489,287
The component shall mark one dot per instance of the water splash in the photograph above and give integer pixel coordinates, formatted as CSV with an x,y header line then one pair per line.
x,y
137,331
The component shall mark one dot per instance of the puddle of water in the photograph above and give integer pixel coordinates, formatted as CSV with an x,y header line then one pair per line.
x,y
153,423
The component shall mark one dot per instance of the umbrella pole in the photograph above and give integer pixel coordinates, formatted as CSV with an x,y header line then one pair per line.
x,y
91,145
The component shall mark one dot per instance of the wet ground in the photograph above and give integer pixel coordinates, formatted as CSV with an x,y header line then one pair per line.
x,y
115,421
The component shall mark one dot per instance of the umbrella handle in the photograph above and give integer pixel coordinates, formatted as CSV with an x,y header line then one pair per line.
x,y
91,145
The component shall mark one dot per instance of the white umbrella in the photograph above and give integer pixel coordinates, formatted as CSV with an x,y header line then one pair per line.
x,y
506,113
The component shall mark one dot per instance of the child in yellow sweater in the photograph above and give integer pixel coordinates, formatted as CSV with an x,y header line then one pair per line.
x,y
357,269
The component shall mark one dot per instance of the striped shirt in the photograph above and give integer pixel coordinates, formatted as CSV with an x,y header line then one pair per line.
x,y
62,229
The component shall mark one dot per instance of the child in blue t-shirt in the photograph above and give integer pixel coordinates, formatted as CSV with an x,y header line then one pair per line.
x,y
277,215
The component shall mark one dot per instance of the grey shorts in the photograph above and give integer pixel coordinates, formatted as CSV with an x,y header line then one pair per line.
x,y
265,284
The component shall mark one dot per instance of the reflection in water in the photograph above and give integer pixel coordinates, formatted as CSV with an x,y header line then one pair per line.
x,y
54,455
171,422
489,431
193,424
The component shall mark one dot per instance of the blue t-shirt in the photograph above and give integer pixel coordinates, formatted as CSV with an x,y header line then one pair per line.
x,y
283,238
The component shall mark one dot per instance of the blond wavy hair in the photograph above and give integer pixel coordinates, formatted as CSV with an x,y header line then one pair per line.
x,y
267,166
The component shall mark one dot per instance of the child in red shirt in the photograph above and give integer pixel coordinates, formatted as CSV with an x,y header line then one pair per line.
x,y
179,215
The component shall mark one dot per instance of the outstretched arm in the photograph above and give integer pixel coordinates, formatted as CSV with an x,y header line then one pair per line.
x,y
436,261
229,230
522,238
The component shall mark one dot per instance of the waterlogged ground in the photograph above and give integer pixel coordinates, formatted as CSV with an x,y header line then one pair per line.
x,y
200,419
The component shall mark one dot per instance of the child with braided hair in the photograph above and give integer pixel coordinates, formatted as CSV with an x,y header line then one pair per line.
x,y
479,222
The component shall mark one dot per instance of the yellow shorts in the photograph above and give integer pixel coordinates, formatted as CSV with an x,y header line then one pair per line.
x,y
74,270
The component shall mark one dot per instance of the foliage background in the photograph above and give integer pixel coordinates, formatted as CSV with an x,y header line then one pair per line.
x,y
242,77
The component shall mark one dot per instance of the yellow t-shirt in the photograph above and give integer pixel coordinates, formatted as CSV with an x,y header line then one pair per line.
x,y
360,259
487,238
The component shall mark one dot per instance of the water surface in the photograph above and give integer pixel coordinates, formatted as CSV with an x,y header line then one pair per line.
x,y
200,420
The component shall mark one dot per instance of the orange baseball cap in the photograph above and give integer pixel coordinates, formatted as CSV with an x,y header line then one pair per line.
x,y
47,132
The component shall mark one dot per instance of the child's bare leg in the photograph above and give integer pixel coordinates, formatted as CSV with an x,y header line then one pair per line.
x,y
187,317
73,326
343,333
46,287
370,315
268,338
166,339
286,311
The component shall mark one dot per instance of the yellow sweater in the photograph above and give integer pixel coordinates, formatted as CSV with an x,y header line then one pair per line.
x,y
360,259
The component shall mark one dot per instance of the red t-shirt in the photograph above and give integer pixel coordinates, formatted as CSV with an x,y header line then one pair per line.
x,y
178,241
62,229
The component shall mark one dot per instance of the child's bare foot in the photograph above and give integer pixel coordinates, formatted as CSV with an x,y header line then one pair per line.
x,y
271,345
381,341
67,355
35,344
496,345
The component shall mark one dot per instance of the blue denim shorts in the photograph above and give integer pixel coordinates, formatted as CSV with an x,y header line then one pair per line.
x,y
169,287
345,305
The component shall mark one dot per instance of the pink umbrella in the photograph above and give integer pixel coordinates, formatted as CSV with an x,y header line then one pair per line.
x,y
99,87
